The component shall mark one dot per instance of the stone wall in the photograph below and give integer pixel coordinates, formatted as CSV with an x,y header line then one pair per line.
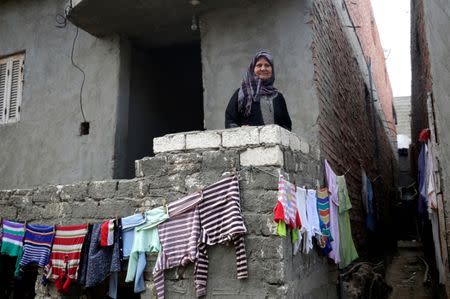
x,y
183,163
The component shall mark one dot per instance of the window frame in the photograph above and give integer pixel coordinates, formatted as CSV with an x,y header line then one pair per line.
x,y
11,87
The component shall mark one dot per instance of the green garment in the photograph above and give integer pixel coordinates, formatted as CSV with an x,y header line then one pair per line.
x,y
146,239
281,229
346,245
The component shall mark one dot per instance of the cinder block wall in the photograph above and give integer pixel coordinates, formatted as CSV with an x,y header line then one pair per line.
x,y
183,163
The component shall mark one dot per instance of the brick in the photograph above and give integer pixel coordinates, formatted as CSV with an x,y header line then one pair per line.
x,y
294,142
46,194
73,192
207,139
102,189
151,166
169,143
220,160
270,134
262,156
240,137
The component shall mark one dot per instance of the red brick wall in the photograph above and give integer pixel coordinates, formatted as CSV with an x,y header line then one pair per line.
x,y
350,133
363,19
421,73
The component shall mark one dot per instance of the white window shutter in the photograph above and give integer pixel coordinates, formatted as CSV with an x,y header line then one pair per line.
x,y
15,95
3,78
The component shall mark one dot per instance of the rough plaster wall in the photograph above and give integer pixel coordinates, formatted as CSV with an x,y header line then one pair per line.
x,y
44,147
231,37
437,28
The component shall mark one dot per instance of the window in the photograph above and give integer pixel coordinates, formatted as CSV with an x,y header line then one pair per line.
x,y
11,81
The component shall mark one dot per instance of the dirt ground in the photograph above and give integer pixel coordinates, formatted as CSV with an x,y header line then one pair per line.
x,y
406,272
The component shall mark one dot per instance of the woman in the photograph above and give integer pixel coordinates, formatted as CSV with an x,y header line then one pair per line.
x,y
257,102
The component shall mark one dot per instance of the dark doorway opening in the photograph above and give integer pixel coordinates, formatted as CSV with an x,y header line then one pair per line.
x,y
166,96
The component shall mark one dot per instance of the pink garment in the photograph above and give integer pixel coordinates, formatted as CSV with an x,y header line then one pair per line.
x,y
334,212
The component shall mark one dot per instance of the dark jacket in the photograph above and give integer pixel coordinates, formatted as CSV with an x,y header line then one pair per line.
x,y
233,118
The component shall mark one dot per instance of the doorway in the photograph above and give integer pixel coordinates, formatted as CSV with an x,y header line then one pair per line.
x,y
166,96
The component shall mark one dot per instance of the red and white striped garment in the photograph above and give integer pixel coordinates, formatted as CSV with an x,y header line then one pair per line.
x,y
65,256
179,237
107,233
221,221
287,203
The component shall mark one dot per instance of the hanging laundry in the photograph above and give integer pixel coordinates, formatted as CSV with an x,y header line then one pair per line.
x,y
285,212
146,239
65,256
101,261
107,233
1,231
347,247
334,212
422,167
311,212
84,256
323,209
12,242
179,237
37,245
304,231
221,221
128,225
367,200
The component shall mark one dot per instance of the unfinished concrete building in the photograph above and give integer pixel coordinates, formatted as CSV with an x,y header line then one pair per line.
x,y
97,88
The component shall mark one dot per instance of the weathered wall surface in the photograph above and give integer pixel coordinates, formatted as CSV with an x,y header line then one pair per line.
x,y
44,146
231,37
430,45
351,133
183,163
437,26
363,19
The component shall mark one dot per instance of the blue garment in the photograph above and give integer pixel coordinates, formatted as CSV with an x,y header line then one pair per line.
x,y
146,239
370,217
422,165
128,225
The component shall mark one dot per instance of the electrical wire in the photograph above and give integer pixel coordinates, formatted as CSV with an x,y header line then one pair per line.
x,y
61,21
82,72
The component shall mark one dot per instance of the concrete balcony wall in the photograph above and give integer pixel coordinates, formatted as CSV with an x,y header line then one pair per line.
x,y
184,162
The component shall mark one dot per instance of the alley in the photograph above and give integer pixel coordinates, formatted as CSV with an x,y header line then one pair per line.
x,y
407,274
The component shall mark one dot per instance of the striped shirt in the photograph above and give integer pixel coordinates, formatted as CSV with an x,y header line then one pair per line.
x,y
323,207
13,233
221,221
37,244
179,238
66,250
288,200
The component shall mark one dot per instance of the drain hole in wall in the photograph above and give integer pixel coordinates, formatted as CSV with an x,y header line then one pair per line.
x,y
84,128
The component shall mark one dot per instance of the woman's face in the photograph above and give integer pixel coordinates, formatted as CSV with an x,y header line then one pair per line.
x,y
263,69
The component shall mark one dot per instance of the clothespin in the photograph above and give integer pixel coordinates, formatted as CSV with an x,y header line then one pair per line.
x,y
295,185
164,202
117,220
200,191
